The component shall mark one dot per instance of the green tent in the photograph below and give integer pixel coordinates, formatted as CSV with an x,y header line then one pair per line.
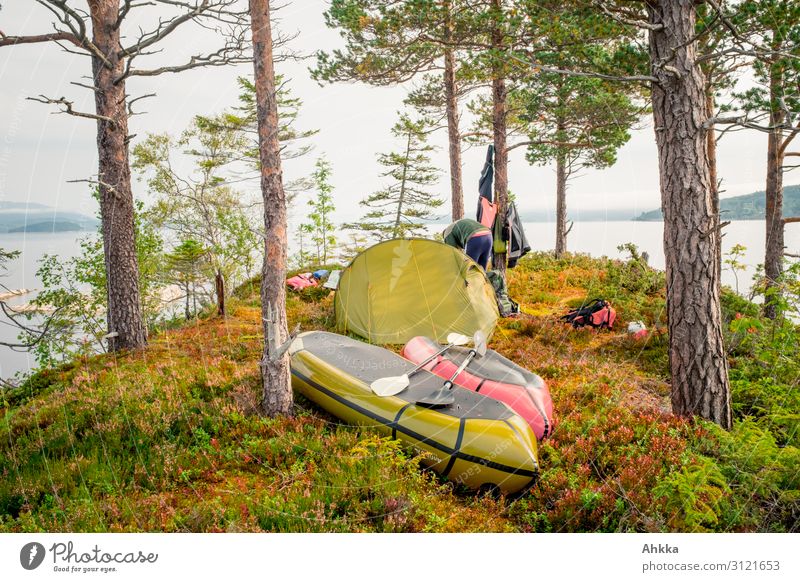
x,y
402,288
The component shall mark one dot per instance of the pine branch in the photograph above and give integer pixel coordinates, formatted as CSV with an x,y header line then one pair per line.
x,y
69,110
52,37
538,67
618,16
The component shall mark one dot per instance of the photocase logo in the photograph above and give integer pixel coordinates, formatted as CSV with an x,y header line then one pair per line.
x,y
31,555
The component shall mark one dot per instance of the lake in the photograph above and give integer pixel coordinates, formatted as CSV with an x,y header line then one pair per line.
x,y
594,238
21,274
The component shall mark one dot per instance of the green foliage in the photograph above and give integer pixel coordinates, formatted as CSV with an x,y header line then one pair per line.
x,y
74,297
762,474
184,267
733,261
320,229
202,206
383,40
774,24
582,121
242,121
400,208
694,495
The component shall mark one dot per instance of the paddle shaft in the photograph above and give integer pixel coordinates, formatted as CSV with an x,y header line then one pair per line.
x,y
461,368
430,359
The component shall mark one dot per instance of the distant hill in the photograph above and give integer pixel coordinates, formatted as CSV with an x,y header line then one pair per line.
x,y
49,226
13,205
34,217
745,207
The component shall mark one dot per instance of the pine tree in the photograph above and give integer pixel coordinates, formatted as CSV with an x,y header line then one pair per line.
x,y
774,102
275,373
399,209
576,122
389,42
185,268
321,229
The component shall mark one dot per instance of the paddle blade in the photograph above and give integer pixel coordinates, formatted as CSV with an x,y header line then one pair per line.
x,y
390,386
457,339
439,399
479,340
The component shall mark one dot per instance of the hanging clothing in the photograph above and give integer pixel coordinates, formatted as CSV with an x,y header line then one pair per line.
x,y
487,209
518,245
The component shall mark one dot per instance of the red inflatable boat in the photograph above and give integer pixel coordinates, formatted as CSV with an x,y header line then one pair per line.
x,y
494,376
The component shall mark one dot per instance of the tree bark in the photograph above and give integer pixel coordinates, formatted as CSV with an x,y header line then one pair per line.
x,y
698,365
219,287
275,373
454,137
711,154
125,323
499,96
561,206
774,244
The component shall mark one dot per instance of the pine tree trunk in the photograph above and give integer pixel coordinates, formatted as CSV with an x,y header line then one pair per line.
x,y
774,247
125,323
402,197
187,309
697,359
275,372
499,132
561,206
711,153
219,287
453,131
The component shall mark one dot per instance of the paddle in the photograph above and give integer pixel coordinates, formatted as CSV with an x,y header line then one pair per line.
x,y
391,385
444,395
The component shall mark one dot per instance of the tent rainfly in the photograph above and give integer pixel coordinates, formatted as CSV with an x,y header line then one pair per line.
x,y
403,288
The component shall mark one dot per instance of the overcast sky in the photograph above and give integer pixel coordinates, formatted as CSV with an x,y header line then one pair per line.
x,y
40,152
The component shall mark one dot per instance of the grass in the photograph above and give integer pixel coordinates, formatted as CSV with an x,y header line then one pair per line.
x,y
170,438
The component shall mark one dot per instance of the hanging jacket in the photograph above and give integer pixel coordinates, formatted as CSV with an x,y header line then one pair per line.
x,y
487,209
518,245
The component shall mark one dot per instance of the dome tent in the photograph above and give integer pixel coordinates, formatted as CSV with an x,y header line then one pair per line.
x,y
403,288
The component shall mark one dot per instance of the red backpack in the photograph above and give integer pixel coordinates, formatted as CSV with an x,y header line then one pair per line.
x,y
597,313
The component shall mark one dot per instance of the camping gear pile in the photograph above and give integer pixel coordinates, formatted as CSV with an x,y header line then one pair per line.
x,y
304,280
598,313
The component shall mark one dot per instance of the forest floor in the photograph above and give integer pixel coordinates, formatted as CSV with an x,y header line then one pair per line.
x,y
170,438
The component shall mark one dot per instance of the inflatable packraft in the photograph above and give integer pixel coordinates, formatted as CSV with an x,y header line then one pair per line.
x,y
477,441
491,375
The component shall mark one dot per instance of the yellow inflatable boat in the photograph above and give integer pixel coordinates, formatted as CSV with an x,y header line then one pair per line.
x,y
477,441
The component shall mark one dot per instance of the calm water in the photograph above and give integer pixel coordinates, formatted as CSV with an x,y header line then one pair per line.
x,y
595,238
21,274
